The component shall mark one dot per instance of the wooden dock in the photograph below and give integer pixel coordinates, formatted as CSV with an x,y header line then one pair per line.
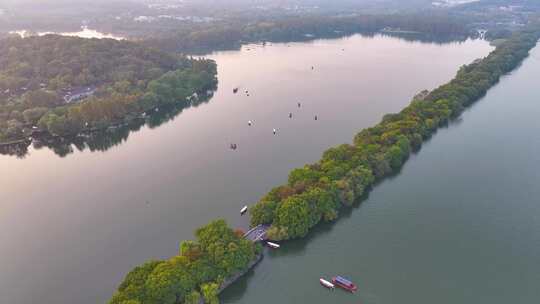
x,y
257,234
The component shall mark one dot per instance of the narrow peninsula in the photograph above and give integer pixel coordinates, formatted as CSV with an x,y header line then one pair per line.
x,y
319,192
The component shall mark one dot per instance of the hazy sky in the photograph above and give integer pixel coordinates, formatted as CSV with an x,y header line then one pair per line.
x,y
251,2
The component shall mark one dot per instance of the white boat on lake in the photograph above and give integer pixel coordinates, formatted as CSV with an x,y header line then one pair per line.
x,y
272,245
326,284
243,210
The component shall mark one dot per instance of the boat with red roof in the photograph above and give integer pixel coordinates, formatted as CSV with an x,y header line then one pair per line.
x,y
344,283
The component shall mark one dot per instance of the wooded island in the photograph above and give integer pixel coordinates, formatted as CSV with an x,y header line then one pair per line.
x,y
64,85
318,192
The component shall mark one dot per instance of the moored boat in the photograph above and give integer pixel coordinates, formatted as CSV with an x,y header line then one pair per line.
x,y
272,245
243,210
344,283
327,284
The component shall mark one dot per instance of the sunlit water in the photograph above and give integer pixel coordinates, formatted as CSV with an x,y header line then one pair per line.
x,y
72,227
85,32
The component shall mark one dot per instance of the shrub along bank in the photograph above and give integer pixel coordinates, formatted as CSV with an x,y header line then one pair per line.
x,y
195,274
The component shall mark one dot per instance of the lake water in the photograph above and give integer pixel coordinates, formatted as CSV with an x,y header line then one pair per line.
x,y
460,224
72,227
85,32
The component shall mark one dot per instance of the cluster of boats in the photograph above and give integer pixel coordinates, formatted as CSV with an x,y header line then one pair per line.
x,y
235,90
340,282
250,122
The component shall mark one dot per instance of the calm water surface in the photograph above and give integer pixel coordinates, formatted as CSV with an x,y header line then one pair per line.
x,y
72,227
460,224
85,32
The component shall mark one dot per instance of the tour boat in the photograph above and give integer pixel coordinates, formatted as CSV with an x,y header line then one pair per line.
x,y
243,210
344,283
326,284
273,245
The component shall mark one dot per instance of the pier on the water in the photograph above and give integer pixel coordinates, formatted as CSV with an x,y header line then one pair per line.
x,y
257,234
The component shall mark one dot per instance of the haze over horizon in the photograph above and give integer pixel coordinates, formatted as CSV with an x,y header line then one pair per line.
x,y
154,151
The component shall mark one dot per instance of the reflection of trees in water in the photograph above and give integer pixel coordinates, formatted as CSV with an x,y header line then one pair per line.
x,y
407,36
102,140
426,38
410,37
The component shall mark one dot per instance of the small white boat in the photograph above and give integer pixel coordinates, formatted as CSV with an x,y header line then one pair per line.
x,y
243,210
250,122
272,245
326,284
275,131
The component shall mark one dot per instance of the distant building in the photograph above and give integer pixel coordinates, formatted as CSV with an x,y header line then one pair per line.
x,y
144,19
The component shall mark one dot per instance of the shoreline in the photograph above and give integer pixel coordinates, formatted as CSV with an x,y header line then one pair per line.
x,y
231,280
228,282
44,135
428,95
319,192
346,172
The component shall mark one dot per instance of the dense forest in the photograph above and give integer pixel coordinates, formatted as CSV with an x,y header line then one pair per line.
x,y
166,16
317,192
63,85
231,33
197,272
